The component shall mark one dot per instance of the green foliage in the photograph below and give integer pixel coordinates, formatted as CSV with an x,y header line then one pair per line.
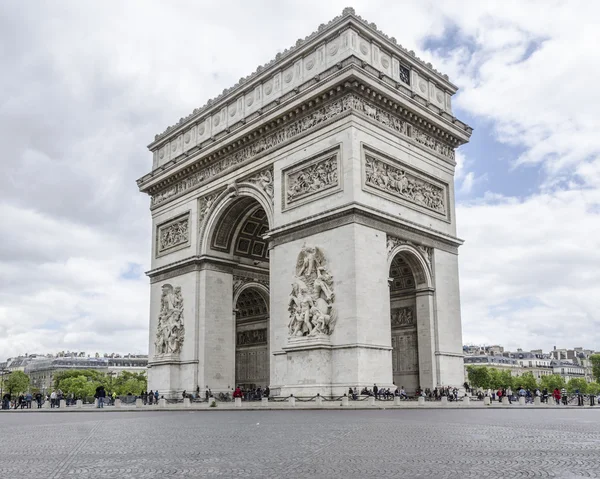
x,y
500,378
552,381
479,376
83,382
594,388
91,374
17,383
80,386
213,404
526,381
595,360
128,382
577,383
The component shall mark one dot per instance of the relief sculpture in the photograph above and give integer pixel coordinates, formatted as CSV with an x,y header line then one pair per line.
x,y
170,331
311,302
172,235
312,179
402,184
250,338
403,317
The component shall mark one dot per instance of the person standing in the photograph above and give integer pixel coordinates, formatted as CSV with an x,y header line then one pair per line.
x,y
375,390
156,396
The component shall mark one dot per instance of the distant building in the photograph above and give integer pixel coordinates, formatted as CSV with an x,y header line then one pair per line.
x,y
42,371
568,363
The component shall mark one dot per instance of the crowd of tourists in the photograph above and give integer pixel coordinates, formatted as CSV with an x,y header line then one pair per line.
x,y
557,396
251,394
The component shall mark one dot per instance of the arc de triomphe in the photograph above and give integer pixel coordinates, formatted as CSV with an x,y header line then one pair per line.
x,y
304,234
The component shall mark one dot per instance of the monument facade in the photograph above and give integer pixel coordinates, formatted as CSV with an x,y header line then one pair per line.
x,y
304,234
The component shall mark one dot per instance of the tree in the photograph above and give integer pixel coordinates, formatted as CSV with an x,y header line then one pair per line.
x,y
500,378
479,376
577,384
91,374
17,383
526,381
595,360
80,386
552,381
594,388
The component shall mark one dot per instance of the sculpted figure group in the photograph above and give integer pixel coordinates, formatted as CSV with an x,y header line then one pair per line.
x,y
399,183
311,302
170,331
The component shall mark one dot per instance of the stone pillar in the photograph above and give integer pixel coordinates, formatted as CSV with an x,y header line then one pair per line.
x,y
117,403
444,400
46,405
426,339
292,401
79,404
96,402
264,402
238,402
63,403
187,402
345,401
505,401
319,401
396,400
371,400
521,401
139,403
162,403
487,401
537,401
211,401
467,401
421,401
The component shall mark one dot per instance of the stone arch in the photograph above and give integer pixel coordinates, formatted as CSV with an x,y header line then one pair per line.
x,y
252,345
415,258
210,218
262,289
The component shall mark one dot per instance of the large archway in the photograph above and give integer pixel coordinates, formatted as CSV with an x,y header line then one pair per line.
x,y
237,236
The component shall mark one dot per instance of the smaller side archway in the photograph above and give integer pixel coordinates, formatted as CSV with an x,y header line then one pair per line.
x,y
252,351
412,322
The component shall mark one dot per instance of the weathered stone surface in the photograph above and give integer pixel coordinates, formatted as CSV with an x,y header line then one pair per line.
x,y
308,221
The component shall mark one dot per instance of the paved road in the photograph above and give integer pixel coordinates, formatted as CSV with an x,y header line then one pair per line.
x,y
301,444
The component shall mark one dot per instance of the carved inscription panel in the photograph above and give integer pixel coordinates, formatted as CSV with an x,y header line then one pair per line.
x,y
311,179
173,235
401,184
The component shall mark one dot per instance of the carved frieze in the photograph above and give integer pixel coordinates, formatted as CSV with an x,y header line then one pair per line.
x,y
204,205
311,179
252,337
403,317
170,331
400,182
350,102
173,235
311,305
264,180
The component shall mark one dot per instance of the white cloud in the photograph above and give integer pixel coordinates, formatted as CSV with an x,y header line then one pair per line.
x,y
90,85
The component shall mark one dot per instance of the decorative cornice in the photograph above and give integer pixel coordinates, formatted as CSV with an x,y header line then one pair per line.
x,y
365,215
314,113
205,262
281,58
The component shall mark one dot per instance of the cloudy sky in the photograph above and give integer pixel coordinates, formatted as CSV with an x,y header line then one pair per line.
x,y
85,86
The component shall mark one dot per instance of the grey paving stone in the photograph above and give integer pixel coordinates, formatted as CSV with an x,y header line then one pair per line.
x,y
298,444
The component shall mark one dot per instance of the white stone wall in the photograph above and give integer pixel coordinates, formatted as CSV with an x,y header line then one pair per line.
x,y
448,320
